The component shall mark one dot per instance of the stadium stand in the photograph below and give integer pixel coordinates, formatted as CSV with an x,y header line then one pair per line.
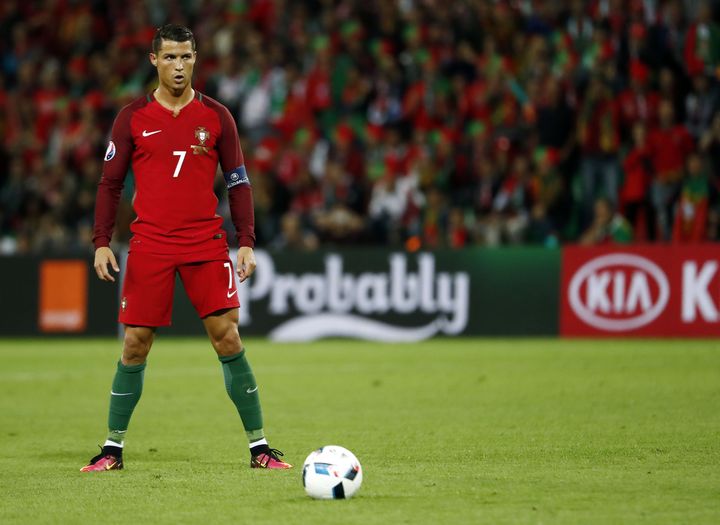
x,y
412,123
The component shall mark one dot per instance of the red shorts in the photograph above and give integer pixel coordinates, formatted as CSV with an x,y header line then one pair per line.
x,y
149,283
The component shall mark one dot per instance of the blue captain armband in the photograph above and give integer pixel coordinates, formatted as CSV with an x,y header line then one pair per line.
x,y
236,177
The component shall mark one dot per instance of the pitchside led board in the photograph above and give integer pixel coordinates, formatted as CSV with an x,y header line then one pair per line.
x,y
641,291
390,295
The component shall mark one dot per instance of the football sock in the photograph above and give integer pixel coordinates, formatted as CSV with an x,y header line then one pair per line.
x,y
259,446
126,390
115,438
243,391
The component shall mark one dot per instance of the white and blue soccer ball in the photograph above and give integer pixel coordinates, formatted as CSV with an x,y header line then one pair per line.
x,y
331,472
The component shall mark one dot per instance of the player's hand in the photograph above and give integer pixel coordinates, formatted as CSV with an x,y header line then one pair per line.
x,y
103,257
245,262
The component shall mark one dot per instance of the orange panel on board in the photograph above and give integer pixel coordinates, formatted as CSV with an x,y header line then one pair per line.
x,y
63,296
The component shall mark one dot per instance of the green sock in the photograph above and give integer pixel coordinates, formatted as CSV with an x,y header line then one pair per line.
x,y
243,391
126,389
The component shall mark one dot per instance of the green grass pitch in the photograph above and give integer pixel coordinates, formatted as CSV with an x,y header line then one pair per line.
x,y
448,431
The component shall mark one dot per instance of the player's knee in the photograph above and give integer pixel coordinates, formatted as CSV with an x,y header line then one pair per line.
x,y
227,341
136,346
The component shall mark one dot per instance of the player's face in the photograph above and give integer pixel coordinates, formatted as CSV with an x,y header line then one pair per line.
x,y
175,62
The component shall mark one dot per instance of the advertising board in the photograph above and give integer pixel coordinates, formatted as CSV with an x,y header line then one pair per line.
x,y
658,290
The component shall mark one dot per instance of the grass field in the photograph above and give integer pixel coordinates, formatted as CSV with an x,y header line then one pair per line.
x,y
448,431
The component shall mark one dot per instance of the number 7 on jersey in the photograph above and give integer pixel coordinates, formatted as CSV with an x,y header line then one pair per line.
x,y
181,154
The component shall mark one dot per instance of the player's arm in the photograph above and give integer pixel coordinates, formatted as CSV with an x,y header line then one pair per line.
x,y
115,168
240,197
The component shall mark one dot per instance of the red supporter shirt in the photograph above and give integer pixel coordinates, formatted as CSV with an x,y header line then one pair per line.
x,y
174,161
636,106
668,149
637,175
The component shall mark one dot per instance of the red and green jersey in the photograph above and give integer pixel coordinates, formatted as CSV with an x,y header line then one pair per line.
x,y
174,158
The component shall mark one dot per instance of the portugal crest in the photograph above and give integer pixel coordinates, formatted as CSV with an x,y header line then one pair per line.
x,y
202,135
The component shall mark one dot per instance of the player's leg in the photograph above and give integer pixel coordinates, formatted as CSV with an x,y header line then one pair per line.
x,y
146,303
211,288
127,384
241,386
240,381
125,393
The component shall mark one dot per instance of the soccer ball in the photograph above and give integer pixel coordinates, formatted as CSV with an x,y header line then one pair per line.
x,y
331,472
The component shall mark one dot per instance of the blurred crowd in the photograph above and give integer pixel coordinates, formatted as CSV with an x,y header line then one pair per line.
x,y
415,123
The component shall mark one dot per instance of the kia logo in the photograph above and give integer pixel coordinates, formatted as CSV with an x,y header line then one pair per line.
x,y
621,292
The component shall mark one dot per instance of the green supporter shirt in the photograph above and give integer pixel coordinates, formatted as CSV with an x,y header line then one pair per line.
x,y
620,230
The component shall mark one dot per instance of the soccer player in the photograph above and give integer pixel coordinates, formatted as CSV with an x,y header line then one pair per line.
x,y
174,138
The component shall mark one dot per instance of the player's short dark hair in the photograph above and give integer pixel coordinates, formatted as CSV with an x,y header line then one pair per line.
x,y
173,32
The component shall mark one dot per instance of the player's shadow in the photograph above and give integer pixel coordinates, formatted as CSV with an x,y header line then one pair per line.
x,y
66,454
151,455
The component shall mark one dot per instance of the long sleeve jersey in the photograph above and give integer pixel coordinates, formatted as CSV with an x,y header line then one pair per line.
x,y
174,159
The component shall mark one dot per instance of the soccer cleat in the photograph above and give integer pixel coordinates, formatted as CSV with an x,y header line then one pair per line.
x,y
103,462
269,459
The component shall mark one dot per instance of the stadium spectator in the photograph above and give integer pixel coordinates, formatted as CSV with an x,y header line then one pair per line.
x,y
638,102
691,211
635,191
390,203
457,235
599,136
669,145
293,235
555,118
434,220
701,103
509,216
710,145
702,40
607,227
335,219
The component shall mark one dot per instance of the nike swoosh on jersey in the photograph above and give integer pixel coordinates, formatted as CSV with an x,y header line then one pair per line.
x,y
118,394
231,294
147,133
251,390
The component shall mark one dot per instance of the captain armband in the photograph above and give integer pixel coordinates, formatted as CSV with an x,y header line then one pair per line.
x,y
236,177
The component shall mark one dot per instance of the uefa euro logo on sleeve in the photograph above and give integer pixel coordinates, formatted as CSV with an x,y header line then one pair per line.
x,y
110,152
202,135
